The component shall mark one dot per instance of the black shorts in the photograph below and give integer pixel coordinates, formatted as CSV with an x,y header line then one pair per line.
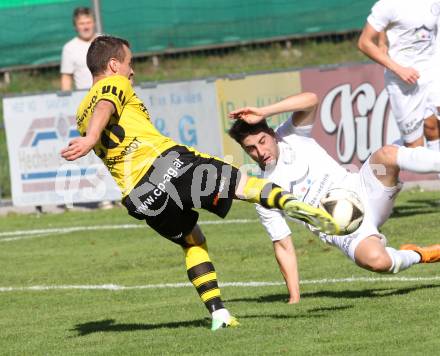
x,y
178,181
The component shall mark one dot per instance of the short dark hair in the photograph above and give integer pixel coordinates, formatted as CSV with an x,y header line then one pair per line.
x,y
82,11
241,129
102,49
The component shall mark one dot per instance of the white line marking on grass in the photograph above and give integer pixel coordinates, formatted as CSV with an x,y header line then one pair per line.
x,y
115,287
9,239
64,230
28,234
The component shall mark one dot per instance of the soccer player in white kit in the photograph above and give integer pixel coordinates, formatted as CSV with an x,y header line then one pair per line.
x,y
289,157
410,68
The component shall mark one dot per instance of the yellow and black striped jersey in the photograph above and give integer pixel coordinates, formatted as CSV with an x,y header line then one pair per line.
x,y
130,143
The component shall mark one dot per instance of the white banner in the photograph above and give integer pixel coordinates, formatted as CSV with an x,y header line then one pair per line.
x,y
187,112
37,128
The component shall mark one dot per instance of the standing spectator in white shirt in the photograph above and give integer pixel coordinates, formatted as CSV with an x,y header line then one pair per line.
x,y
411,30
73,60
74,68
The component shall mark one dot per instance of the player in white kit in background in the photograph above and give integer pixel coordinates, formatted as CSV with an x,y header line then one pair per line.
x,y
290,158
411,72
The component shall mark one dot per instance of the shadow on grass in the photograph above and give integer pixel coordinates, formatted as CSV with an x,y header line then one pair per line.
x,y
367,293
110,325
331,309
348,294
311,313
416,207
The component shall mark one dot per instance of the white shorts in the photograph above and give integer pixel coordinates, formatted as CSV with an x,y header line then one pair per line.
x,y
378,202
411,104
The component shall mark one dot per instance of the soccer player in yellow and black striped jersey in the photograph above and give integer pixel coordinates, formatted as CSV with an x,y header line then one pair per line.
x,y
162,181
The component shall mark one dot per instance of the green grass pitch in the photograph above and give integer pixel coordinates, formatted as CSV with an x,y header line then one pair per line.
x,y
363,317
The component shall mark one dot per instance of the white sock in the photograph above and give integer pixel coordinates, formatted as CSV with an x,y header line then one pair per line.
x,y
433,145
402,259
221,314
418,159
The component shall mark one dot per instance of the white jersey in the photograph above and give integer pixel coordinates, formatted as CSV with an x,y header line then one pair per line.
x,y
74,62
304,169
411,28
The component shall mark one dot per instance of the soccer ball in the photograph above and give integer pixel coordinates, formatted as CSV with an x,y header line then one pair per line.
x,y
345,207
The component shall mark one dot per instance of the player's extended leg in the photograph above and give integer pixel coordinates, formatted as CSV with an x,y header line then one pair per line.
x,y
272,196
201,273
372,254
389,160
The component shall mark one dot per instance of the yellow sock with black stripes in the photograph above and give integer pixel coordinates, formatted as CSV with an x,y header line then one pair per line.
x,y
268,194
202,275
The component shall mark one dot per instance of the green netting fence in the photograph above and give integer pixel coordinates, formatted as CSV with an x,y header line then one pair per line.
x,y
34,31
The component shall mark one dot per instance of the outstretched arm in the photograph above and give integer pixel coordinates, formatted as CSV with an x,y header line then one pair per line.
x,y
286,258
369,44
304,105
279,232
80,146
